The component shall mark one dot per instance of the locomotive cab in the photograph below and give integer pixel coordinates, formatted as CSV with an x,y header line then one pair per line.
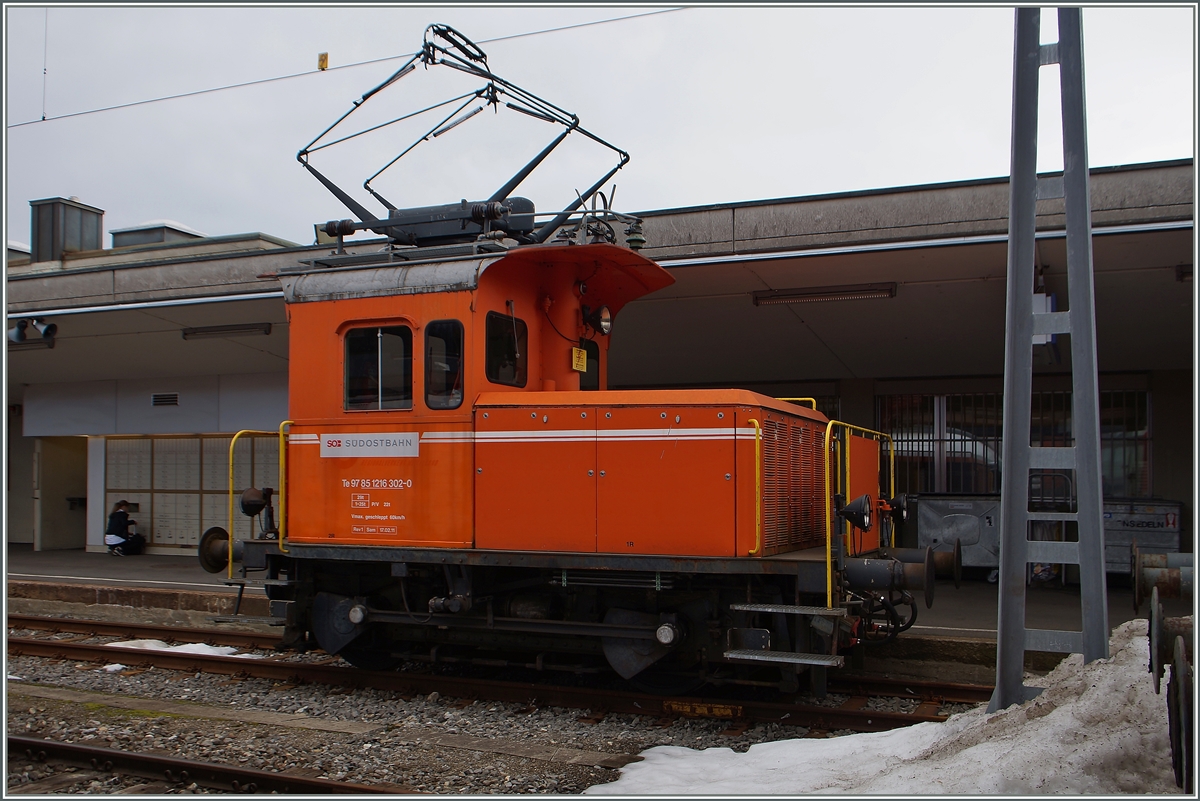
x,y
390,367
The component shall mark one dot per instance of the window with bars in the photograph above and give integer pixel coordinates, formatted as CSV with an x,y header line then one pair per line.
x,y
952,443
1125,444
944,443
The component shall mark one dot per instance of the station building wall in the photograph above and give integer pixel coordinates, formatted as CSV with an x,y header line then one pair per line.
x,y
161,444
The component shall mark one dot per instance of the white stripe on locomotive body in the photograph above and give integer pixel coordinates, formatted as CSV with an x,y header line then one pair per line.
x,y
568,435
675,433
448,436
589,435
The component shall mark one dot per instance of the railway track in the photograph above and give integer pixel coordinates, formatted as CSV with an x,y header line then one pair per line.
x,y
168,634
924,691
853,715
172,771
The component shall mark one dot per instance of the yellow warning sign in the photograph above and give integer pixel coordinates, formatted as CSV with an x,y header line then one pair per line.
x,y
579,359
702,710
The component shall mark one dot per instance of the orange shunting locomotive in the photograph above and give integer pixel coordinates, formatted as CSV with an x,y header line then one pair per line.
x,y
459,484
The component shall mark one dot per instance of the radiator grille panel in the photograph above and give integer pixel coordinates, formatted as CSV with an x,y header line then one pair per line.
x,y
793,485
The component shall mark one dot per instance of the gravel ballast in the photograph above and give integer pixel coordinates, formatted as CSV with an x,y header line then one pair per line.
x,y
397,749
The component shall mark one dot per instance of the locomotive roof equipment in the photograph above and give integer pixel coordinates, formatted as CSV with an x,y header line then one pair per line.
x,y
499,216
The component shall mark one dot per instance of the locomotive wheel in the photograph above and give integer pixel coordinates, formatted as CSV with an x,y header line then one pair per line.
x,y
1179,717
1157,665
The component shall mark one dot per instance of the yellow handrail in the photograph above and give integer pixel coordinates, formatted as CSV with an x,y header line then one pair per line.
x,y
283,486
232,443
813,401
757,486
829,493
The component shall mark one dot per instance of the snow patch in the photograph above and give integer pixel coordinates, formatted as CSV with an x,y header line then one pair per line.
x,y
186,648
1097,728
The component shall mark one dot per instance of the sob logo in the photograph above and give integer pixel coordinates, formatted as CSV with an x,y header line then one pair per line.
x,y
403,444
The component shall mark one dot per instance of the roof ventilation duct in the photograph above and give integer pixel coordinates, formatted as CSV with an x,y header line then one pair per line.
x,y
59,225
153,232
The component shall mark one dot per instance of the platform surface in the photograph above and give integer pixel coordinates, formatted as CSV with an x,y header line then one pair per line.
x,y
80,567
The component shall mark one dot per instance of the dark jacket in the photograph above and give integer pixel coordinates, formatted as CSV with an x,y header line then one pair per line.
x,y
118,524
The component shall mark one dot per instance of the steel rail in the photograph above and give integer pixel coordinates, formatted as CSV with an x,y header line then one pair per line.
x,y
106,628
946,692
214,775
532,694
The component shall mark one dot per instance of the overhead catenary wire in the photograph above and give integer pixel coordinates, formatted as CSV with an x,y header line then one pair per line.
x,y
261,81
45,51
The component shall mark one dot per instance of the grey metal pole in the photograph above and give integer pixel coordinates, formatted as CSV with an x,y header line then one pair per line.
x,y
1018,364
1022,323
1085,395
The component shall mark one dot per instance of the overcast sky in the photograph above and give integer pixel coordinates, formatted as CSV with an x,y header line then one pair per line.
x,y
713,104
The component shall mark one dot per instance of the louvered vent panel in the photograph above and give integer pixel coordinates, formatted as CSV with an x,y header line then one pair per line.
x,y
164,399
793,483
775,485
810,486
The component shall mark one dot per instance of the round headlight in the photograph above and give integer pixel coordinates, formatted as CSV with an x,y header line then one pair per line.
x,y
605,320
599,319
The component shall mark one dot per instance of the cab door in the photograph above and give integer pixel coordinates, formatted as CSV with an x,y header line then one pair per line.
x,y
535,479
666,481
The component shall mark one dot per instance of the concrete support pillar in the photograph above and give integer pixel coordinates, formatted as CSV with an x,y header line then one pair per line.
x,y
97,508
19,491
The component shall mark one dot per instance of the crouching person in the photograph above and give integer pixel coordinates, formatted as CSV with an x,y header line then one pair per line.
x,y
117,537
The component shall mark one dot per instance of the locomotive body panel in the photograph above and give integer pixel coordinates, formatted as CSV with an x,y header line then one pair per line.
x,y
376,460
864,480
666,480
643,472
535,485
403,485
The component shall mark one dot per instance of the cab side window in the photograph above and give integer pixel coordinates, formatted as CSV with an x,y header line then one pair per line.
x,y
507,357
379,368
444,364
